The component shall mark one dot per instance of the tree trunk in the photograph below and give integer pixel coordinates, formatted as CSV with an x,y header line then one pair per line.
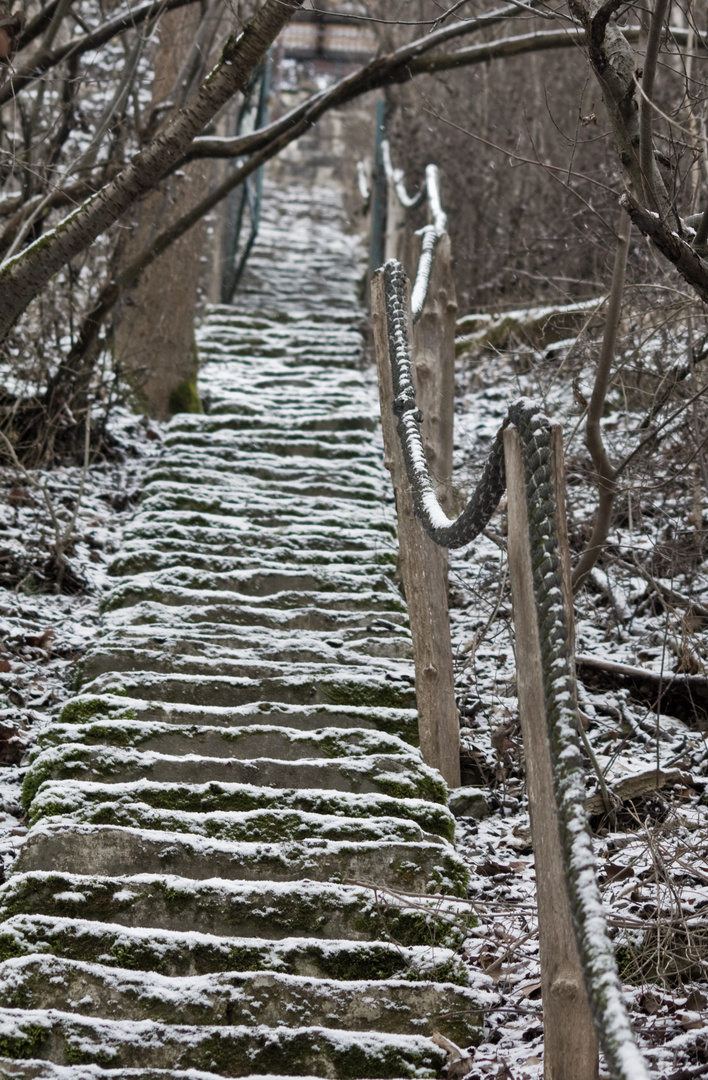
x,y
153,337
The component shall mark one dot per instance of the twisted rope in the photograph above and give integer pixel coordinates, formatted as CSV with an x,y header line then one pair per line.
x,y
602,982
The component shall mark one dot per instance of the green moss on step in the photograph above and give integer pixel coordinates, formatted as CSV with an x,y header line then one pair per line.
x,y
49,767
27,1043
11,947
81,710
83,1054
374,695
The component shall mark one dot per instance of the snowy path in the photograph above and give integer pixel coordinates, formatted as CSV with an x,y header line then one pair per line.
x,y
237,854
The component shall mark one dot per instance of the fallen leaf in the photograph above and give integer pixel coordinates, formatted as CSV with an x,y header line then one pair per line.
x,y
614,872
490,868
650,1003
696,1001
459,1063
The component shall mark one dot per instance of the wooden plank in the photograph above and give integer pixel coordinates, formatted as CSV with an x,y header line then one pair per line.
x,y
570,1050
423,569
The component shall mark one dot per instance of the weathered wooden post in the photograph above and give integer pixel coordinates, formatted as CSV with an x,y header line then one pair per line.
x,y
433,353
423,567
570,1050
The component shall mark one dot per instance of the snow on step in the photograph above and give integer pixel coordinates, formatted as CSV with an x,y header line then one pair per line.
x,y
377,774
46,1070
411,866
238,863
183,953
395,1006
239,908
87,707
251,825
253,741
227,1050
67,796
327,687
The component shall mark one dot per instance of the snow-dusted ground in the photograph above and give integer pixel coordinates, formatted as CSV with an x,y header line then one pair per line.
x,y
645,606
43,633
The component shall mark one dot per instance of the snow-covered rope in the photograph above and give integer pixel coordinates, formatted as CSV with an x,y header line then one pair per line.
x,y
602,981
395,178
430,234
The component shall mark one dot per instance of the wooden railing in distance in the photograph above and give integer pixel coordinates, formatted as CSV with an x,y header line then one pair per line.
x,y
423,568
423,565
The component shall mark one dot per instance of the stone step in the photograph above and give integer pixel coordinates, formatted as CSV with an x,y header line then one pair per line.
x,y
302,439
312,664
373,604
48,1070
314,686
253,826
338,446
337,415
223,463
227,1051
256,741
187,616
265,998
379,774
272,582
335,393
240,909
401,722
224,334
287,512
296,449
164,553
233,483
185,953
256,498
355,646
235,535
236,483
413,867
68,796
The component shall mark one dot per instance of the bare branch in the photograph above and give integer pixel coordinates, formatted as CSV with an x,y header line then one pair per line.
x,y
23,277
647,161
687,261
606,475
46,60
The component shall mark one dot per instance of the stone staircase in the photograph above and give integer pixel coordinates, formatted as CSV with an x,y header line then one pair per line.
x,y
238,863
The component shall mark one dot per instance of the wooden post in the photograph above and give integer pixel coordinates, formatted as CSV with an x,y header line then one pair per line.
x,y
423,567
395,225
570,1047
433,348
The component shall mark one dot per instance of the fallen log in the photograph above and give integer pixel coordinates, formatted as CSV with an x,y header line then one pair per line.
x,y
676,693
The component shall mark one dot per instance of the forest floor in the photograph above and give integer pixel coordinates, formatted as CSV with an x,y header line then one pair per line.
x,y
645,606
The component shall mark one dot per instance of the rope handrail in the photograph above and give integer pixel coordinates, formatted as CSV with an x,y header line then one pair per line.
x,y
604,989
395,178
430,234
